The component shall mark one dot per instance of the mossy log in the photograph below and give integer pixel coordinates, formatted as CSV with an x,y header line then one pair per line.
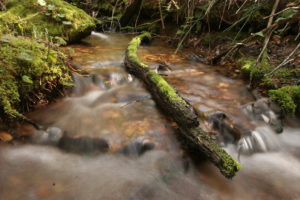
x,y
175,107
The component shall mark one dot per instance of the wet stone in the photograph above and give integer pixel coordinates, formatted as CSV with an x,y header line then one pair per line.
x,y
83,145
263,110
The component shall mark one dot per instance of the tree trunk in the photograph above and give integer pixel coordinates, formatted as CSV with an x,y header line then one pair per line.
x,y
175,107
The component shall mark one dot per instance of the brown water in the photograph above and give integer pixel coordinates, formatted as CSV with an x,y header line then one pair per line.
x,y
113,106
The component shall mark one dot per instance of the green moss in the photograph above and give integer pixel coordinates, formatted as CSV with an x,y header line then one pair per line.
x,y
228,165
133,47
56,18
287,97
268,82
160,82
28,69
165,87
247,65
256,72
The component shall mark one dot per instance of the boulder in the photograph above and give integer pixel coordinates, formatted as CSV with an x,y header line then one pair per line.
x,y
30,73
46,18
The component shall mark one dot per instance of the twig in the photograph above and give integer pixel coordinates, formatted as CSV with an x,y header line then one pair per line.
x,y
272,15
112,15
267,39
136,101
273,27
161,15
138,16
266,42
286,60
241,7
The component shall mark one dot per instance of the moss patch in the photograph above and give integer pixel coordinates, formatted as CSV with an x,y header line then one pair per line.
x,y
229,166
165,87
156,78
256,72
133,48
287,97
282,84
44,18
28,72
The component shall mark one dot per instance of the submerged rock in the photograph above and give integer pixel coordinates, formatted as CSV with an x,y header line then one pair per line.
x,y
51,136
46,18
83,145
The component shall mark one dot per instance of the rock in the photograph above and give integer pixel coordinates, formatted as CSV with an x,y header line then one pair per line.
x,y
83,145
138,147
48,18
196,58
51,136
230,131
265,111
32,72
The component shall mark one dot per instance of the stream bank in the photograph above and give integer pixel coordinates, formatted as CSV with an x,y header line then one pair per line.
x,y
33,70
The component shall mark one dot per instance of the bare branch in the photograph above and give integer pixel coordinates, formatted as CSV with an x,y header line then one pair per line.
x,y
286,60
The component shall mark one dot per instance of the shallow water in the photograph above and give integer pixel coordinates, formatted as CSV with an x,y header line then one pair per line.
x,y
113,106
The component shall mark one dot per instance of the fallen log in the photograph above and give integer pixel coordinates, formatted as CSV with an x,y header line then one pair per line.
x,y
178,109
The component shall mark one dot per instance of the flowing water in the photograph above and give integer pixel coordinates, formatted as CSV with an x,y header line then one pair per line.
x,y
107,140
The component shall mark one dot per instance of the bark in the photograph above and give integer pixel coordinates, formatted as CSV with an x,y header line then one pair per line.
x,y
179,110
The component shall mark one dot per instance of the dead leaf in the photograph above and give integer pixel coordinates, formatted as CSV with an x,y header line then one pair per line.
x,y
5,137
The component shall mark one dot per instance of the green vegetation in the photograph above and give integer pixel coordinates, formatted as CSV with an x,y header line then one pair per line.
x,y
287,97
29,72
165,87
256,71
281,84
229,165
161,82
133,47
46,18
32,68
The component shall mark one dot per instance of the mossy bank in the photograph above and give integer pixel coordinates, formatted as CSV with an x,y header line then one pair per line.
x,y
30,73
282,85
56,19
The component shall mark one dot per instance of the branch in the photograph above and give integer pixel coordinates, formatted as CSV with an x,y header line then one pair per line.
x,y
286,60
268,36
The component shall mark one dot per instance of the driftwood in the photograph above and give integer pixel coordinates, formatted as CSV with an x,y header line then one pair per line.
x,y
179,110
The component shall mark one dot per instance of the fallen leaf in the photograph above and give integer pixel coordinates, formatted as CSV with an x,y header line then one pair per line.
x,y
5,137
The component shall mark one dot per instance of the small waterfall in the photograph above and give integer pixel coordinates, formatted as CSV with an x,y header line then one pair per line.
x,y
100,35
262,139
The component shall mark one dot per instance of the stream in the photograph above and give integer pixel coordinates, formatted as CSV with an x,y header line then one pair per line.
x,y
107,139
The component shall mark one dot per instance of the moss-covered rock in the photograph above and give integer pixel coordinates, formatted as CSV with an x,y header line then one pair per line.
x,y
282,84
29,73
46,18
287,97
